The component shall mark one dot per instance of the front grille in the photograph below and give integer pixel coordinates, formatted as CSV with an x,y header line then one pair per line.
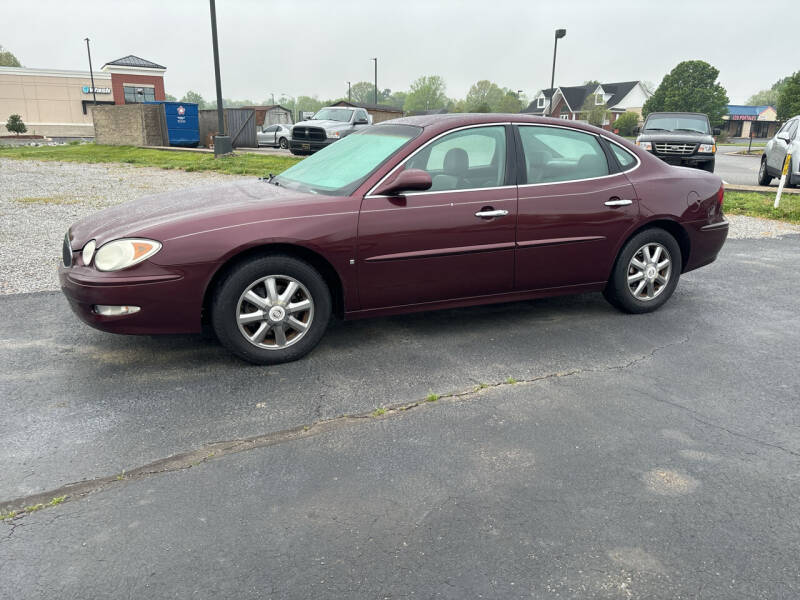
x,y
66,252
672,149
314,134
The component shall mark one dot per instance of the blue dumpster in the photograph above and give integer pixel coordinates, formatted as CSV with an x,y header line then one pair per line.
x,y
183,126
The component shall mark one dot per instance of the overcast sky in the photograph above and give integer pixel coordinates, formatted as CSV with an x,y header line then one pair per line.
x,y
313,48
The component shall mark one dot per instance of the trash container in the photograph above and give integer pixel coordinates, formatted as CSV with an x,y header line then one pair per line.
x,y
183,126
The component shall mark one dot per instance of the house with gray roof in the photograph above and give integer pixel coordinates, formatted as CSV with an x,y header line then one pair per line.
x,y
568,101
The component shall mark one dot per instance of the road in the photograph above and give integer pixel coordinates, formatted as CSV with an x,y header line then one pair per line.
x,y
740,170
576,452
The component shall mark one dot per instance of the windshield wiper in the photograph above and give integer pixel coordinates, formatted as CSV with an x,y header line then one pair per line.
x,y
688,129
273,179
656,129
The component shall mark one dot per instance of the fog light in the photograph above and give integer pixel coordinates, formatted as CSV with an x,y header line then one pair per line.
x,y
114,311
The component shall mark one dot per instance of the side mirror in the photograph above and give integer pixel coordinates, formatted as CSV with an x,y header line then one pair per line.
x,y
361,122
716,131
406,181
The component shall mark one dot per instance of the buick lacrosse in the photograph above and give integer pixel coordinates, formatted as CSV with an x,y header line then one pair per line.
x,y
413,214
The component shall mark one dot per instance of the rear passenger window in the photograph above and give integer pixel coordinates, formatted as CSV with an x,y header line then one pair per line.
x,y
554,154
626,159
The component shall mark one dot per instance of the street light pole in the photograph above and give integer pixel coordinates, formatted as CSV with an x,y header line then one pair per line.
x,y
91,71
348,92
222,143
560,33
376,80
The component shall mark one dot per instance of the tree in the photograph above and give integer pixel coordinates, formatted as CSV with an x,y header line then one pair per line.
x,y
362,92
427,93
484,95
15,124
592,82
170,98
595,114
691,87
626,123
789,97
397,99
768,97
510,103
196,98
7,59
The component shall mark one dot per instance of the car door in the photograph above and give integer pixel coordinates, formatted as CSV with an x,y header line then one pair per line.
x,y
573,209
455,240
776,154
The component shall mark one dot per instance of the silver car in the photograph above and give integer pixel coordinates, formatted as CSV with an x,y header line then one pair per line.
x,y
274,135
786,141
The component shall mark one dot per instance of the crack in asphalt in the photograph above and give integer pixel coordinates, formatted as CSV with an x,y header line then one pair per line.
x,y
187,460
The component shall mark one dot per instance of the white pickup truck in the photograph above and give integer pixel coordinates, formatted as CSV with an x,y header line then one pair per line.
x,y
326,126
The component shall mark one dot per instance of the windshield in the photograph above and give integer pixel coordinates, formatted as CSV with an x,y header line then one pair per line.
x,y
333,114
340,168
694,123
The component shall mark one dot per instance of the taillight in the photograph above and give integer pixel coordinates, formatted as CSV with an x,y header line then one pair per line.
x,y
720,197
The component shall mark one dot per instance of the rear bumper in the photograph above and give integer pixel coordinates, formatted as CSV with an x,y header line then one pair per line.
x,y
706,240
170,302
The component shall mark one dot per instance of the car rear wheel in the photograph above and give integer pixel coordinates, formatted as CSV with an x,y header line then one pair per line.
x,y
763,176
646,272
284,143
271,309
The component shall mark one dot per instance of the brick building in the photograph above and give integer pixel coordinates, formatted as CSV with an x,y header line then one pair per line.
x,y
58,103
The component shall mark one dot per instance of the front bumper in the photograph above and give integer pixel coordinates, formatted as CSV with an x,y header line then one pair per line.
x,y
692,160
170,300
310,145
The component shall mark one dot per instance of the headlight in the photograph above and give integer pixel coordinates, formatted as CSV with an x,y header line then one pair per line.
x,y
645,145
88,252
333,134
121,254
707,148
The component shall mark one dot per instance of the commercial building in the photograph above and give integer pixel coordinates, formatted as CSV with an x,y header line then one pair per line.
x,y
750,121
57,103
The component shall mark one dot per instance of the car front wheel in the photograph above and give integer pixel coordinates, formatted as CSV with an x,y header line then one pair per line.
x,y
646,272
763,176
271,309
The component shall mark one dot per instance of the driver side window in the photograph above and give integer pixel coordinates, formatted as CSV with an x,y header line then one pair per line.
x,y
466,159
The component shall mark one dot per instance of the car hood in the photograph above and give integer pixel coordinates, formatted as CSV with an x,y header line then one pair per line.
x,y
184,212
324,124
676,136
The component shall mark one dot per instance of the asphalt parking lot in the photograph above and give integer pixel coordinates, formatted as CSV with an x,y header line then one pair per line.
x,y
738,169
576,452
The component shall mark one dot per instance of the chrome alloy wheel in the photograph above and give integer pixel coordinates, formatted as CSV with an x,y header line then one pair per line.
x,y
275,312
649,271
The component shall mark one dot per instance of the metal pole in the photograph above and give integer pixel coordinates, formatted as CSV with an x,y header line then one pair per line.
x,y
91,71
376,80
222,143
349,98
559,34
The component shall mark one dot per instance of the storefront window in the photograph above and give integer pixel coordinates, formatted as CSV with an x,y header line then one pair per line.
x,y
134,94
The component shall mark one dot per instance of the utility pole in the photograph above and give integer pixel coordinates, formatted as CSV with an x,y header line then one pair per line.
x,y
560,33
222,143
349,98
376,80
91,72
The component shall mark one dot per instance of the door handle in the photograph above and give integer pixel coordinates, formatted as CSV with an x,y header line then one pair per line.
x,y
488,214
618,202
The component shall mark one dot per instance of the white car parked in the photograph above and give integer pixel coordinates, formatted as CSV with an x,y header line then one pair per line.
x,y
786,141
274,135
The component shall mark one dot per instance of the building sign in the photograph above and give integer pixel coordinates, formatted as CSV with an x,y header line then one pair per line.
x,y
743,117
97,90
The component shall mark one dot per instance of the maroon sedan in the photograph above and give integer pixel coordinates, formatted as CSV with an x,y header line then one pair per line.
x,y
413,214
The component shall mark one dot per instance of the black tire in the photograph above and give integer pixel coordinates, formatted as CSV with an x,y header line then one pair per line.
x,y
763,176
228,301
295,152
617,290
283,143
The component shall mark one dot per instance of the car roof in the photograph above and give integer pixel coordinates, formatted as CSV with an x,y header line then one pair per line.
x,y
437,123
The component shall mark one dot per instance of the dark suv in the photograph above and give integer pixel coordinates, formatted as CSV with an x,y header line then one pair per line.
x,y
679,138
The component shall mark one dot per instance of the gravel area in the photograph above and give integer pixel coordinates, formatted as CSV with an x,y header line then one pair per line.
x,y
39,200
